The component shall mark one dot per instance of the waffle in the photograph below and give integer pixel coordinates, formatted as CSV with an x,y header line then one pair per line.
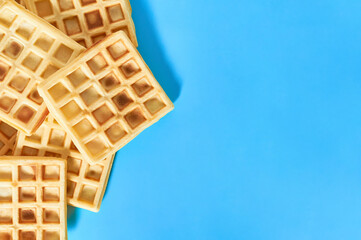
x,y
7,139
105,97
86,21
86,183
32,198
21,2
30,51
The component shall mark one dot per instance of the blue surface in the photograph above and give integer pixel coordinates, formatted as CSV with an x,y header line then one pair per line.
x,y
265,139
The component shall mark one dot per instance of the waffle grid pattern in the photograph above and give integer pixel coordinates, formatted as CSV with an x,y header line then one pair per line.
x,y
86,183
30,51
86,21
106,97
32,199
7,139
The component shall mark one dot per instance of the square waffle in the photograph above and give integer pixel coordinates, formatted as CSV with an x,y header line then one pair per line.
x,y
86,21
30,51
105,97
32,198
7,139
86,183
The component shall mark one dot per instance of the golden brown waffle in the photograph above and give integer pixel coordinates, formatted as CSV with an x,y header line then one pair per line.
x,y
105,98
86,183
86,21
32,198
30,51
21,2
7,139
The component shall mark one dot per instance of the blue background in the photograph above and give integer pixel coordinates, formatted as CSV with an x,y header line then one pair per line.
x,y
265,139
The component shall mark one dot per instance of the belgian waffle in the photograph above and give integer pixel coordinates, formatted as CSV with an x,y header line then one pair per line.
x,y
105,97
32,198
86,21
86,183
31,50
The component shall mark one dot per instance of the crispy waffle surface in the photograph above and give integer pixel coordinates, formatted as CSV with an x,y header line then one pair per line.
x,y
7,139
86,183
86,21
106,97
32,198
31,50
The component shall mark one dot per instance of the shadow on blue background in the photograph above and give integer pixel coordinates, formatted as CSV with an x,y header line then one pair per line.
x,y
265,139
72,216
152,51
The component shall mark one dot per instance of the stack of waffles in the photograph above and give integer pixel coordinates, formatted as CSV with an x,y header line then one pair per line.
x,y
73,91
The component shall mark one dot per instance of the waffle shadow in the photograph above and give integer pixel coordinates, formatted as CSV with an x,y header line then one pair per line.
x,y
72,216
150,46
